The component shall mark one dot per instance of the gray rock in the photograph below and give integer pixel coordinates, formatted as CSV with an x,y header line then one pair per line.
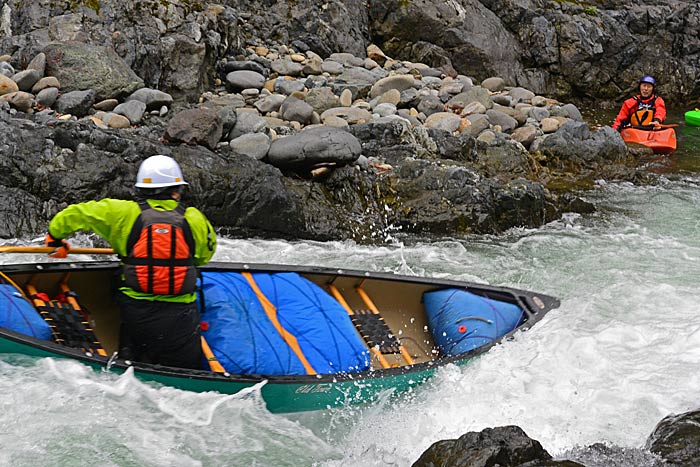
x,y
322,99
444,121
133,110
76,103
521,95
38,63
313,146
475,94
398,82
195,126
106,105
241,65
287,86
385,109
347,59
255,145
244,79
153,98
20,100
493,84
296,110
7,69
46,82
502,99
505,121
525,135
539,113
573,112
269,103
358,80
47,97
247,122
26,79
332,67
287,67
479,123
351,115
430,104
79,66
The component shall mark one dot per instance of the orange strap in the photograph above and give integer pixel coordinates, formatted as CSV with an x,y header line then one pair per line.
x,y
214,364
271,313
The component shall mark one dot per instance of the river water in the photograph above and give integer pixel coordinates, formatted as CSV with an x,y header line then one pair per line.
x,y
621,353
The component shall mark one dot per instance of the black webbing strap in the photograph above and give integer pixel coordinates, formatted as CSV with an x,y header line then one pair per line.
x,y
375,331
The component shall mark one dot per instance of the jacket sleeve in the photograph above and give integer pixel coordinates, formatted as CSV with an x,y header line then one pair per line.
x,y
624,114
660,113
203,234
111,219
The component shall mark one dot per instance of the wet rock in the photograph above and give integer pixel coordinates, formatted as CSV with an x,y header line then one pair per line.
x,y
505,446
677,439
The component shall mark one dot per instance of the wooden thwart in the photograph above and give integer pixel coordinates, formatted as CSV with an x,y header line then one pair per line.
x,y
371,326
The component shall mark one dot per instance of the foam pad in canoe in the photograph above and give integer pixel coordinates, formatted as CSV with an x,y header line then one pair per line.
x,y
17,314
461,321
245,340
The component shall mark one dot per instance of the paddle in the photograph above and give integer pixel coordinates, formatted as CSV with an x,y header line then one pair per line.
x,y
48,249
652,128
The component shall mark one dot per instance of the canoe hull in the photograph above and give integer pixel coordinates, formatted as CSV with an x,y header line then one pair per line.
x,y
661,141
289,393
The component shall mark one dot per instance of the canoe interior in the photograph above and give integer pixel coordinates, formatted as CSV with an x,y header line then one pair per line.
x,y
398,298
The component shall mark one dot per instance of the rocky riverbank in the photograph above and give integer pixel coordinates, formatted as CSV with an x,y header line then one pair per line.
x,y
283,142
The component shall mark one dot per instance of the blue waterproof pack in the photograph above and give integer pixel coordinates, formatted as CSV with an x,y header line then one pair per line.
x,y
18,314
461,321
245,340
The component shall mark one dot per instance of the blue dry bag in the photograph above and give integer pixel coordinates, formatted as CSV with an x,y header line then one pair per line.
x,y
461,321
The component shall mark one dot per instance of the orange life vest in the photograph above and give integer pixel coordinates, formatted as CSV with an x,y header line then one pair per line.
x,y
160,257
644,113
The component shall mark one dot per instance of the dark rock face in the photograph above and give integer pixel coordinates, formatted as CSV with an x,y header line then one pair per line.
x,y
506,446
677,439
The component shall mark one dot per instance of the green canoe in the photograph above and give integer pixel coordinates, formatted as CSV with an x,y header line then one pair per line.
x,y
397,301
692,117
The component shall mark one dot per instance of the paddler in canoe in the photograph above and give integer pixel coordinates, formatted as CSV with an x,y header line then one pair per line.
x,y
646,109
160,244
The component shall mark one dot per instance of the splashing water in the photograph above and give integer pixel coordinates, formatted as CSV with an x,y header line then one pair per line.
x,y
620,353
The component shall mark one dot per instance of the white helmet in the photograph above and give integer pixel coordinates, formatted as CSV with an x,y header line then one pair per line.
x,y
159,171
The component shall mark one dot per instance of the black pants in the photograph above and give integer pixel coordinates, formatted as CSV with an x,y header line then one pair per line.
x,y
160,332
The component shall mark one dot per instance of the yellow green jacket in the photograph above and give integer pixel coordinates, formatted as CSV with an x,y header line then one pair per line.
x,y
113,219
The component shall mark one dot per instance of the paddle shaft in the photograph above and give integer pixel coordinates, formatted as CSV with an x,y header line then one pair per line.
x,y
48,250
652,128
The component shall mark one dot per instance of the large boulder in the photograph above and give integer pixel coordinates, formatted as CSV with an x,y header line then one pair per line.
x,y
314,146
79,66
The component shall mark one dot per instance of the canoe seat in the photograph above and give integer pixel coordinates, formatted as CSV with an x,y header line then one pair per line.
x,y
68,325
375,331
